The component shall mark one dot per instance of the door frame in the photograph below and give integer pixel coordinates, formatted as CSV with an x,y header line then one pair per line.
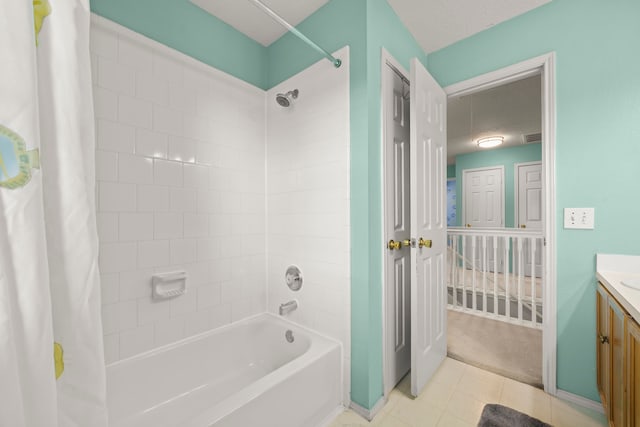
x,y
545,66
516,188
386,59
502,192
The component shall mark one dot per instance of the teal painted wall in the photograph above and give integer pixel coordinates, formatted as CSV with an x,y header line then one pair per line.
x,y
506,157
451,171
185,27
366,26
597,147
598,115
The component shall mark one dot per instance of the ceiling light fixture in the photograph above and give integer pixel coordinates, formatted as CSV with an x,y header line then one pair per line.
x,y
490,142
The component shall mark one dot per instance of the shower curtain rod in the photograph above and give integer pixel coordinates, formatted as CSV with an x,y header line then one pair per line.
x,y
335,61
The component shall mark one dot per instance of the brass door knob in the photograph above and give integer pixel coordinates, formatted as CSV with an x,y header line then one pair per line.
x,y
394,245
468,225
523,226
422,243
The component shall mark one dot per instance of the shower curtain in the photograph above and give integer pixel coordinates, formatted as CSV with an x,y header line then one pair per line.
x,y
51,358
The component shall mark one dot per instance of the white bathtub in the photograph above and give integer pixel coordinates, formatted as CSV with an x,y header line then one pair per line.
x,y
242,375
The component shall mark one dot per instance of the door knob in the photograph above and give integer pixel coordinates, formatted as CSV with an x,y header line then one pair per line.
x,y
394,245
424,243
468,225
523,226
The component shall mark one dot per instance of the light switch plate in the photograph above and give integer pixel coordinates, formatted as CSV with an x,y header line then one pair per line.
x,y
580,218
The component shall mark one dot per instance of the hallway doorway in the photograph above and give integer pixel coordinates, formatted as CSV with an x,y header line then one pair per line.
x,y
501,285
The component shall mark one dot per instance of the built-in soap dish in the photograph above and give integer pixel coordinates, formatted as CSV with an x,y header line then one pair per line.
x,y
169,285
632,283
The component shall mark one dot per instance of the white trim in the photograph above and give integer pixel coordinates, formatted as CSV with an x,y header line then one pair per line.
x,y
384,89
500,77
464,199
544,64
369,414
549,332
580,401
516,189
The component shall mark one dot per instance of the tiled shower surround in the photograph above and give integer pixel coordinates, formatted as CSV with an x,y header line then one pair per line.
x,y
180,186
308,199
199,171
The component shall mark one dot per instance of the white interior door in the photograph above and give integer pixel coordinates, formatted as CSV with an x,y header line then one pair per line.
x,y
483,197
397,228
529,212
428,223
483,207
529,195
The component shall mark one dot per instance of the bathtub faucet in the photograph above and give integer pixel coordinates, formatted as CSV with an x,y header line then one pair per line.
x,y
288,307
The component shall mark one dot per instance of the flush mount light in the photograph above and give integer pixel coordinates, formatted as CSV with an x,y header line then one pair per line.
x,y
490,142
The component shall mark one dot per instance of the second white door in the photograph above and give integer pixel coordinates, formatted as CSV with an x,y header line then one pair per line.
x,y
529,213
483,197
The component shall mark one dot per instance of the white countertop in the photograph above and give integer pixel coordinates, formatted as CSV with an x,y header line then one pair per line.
x,y
612,271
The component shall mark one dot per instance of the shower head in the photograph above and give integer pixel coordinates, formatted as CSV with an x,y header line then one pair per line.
x,y
284,99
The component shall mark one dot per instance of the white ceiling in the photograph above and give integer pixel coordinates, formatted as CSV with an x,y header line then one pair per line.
x,y
511,111
434,23
439,23
247,18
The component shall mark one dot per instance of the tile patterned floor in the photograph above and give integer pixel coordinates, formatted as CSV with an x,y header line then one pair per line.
x,y
455,398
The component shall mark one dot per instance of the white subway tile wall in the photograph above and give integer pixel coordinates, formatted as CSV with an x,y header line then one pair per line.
x,y
308,200
180,178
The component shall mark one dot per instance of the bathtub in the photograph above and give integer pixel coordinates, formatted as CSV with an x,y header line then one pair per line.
x,y
243,375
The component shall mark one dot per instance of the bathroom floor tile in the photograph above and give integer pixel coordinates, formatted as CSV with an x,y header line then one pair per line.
x,y
465,406
417,413
448,420
456,396
525,398
565,414
481,385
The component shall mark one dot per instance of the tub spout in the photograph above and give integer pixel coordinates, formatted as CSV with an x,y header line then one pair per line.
x,y
288,307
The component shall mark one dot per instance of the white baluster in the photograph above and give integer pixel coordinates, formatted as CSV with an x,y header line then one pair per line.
x,y
495,275
534,244
484,274
507,274
464,272
520,277
473,272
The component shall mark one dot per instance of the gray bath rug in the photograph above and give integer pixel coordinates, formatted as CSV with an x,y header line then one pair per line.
x,y
494,415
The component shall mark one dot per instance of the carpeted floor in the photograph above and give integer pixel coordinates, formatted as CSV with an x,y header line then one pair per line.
x,y
509,350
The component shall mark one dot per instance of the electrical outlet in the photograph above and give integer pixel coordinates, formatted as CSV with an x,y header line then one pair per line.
x,y
580,218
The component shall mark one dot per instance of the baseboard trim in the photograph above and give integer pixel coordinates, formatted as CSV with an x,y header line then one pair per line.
x,y
579,400
368,414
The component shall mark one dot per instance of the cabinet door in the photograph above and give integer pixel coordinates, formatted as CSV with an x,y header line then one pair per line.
x,y
617,320
602,346
633,374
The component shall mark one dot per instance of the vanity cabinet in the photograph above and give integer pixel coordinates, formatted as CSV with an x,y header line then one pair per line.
x,y
618,359
602,347
633,367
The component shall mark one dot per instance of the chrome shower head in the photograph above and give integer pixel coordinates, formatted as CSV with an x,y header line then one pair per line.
x,y
284,99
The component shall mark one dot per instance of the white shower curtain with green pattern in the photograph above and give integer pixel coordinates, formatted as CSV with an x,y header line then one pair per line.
x,y
51,360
